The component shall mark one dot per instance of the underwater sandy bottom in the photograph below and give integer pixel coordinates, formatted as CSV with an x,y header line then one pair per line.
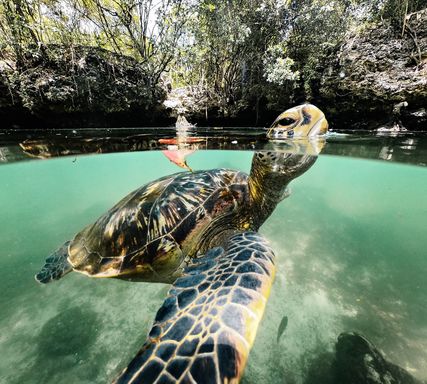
x,y
350,245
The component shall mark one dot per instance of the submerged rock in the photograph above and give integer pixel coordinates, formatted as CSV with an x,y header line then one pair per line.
x,y
357,361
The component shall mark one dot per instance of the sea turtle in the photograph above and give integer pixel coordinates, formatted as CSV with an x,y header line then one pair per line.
x,y
300,121
197,231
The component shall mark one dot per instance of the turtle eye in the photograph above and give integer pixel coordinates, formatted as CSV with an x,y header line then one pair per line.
x,y
286,121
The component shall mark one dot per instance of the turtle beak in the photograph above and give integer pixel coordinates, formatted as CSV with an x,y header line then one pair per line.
x,y
303,121
320,127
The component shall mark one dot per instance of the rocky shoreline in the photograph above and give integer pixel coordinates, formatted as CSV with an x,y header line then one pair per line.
x,y
375,79
378,78
78,87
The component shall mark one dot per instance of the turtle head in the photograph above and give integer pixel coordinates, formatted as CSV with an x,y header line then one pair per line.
x,y
302,121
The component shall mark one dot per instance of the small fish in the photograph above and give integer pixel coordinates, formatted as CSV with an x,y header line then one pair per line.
x,y
282,327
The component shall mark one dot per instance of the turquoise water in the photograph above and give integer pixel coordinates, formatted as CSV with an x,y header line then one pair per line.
x,y
351,247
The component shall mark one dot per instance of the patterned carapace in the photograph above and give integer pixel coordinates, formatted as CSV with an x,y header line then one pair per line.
x,y
198,231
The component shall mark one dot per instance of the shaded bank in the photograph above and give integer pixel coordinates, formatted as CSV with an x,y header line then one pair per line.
x,y
78,86
376,78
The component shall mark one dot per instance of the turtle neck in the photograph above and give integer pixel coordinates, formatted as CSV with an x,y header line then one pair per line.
x,y
271,172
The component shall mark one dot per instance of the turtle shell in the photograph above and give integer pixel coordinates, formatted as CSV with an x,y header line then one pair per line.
x,y
147,235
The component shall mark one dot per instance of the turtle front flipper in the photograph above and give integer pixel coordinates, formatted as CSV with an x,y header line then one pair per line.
x,y
55,266
206,326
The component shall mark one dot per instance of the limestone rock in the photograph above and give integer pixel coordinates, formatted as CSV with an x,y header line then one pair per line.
x,y
78,86
379,77
357,361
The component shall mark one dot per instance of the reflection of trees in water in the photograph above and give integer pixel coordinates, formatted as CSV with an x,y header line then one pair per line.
x,y
403,148
3,154
11,153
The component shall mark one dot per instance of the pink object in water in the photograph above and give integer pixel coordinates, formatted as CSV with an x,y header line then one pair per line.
x,y
178,157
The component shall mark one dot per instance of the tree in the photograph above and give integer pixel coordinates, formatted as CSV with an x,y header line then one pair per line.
x,y
228,50
147,30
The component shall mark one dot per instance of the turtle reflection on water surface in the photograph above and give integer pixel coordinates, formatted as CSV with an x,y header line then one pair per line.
x,y
197,231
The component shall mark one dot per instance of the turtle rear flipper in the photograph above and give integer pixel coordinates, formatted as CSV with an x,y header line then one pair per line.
x,y
55,266
206,326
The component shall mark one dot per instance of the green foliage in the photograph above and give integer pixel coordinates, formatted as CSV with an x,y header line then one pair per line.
x,y
315,28
278,67
145,30
237,53
84,79
232,50
397,10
